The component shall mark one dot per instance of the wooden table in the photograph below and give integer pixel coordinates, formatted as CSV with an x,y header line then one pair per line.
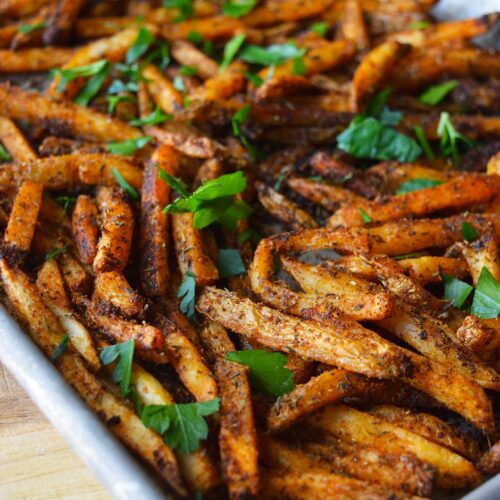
x,y
35,461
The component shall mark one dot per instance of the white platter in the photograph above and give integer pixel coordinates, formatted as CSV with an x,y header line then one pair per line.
x,y
123,476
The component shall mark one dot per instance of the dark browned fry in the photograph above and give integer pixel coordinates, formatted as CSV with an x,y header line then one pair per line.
x,y
84,222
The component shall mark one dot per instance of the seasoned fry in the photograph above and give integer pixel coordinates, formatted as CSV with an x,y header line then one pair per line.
x,y
14,141
453,471
305,338
352,24
490,461
84,223
222,85
429,269
61,22
188,54
161,90
116,231
479,335
22,222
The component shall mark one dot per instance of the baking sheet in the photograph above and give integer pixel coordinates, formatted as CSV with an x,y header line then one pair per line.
x,y
123,476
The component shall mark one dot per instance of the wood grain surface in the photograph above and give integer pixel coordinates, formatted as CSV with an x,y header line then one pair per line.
x,y
35,461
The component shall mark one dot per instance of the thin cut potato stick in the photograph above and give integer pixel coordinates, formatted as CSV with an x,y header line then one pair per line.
x,y
222,85
21,8
22,221
50,284
187,54
84,223
306,338
45,329
352,24
490,461
211,28
481,336
34,59
61,22
15,142
431,427
429,269
458,193
191,250
36,109
162,90
116,232
453,471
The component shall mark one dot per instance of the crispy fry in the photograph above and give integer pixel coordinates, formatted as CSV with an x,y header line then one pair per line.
x,y
429,269
34,59
22,222
352,24
61,21
189,55
303,337
481,336
161,90
47,333
16,144
116,231
85,228
490,461
211,28
222,85
453,471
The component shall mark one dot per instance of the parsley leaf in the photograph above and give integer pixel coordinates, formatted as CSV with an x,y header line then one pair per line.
x,y
65,202
239,118
272,54
195,37
61,348
435,94
468,231
140,46
187,292
420,25
299,66
130,190
92,86
122,372
4,154
320,28
367,137
213,201
114,100
407,256
423,142
185,7
267,370
365,217
230,50
238,8
417,185
456,290
255,79
127,147
70,74
486,303
54,254
450,137
181,425
175,183
188,70
230,263
25,29
157,116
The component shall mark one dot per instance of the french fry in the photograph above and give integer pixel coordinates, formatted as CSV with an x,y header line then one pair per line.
x,y
45,329
188,54
222,85
490,461
196,468
84,223
352,24
61,22
429,269
481,336
328,387
237,440
191,250
493,166
34,37
50,284
282,86
304,337
112,288
371,72
21,8
430,427
354,296
458,193
161,90
211,28
453,471
116,231
284,209
36,109
22,222
399,471
15,142
33,59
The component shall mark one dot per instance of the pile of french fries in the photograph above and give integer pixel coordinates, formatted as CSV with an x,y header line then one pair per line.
x,y
369,272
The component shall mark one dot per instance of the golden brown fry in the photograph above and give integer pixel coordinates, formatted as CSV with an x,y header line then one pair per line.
x,y
187,54
429,269
34,59
84,222
400,471
353,296
211,28
373,69
352,24
284,209
66,117
458,193
191,251
112,288
329,387
155,196
453,471
222,85
21,8
45,329
490,461
346,345
493,166
430,427
481,336
50,284
34,37
61,22
116,230
15,142
161,90
282,86
22,222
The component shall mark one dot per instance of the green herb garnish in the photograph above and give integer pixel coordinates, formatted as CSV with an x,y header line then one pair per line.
x,y
230,50
130,190
423,142
230,263
456,291
238,8
320,28
417,185
26,29
450,137
122,372
365,217
468,231
187,292
435,94
154,118
127,147
486,303
54,254
61,348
